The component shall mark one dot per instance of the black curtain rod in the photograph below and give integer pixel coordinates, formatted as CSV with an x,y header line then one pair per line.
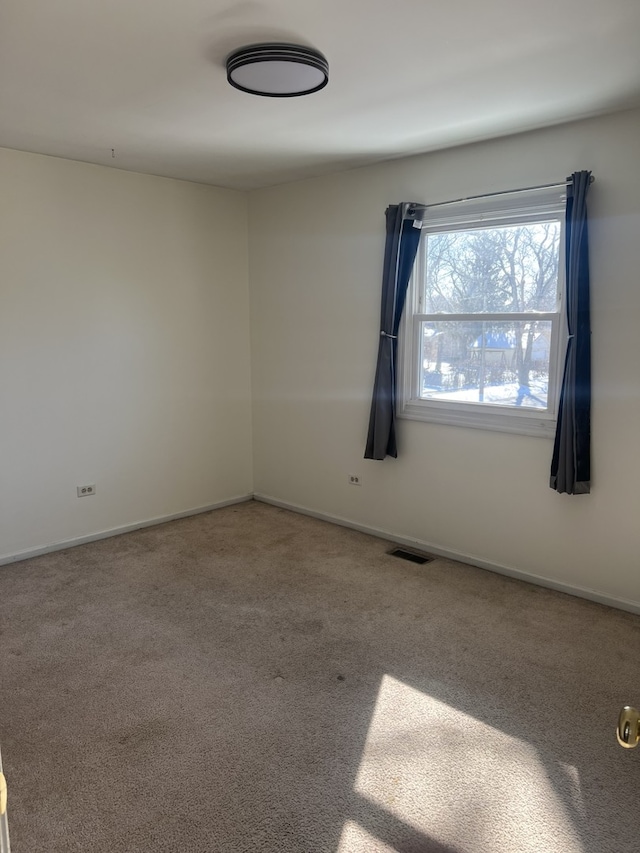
x,y
414,208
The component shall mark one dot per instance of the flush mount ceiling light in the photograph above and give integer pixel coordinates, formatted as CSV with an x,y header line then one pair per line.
x,y
277,70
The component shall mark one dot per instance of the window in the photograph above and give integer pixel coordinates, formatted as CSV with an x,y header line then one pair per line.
x,y
483,330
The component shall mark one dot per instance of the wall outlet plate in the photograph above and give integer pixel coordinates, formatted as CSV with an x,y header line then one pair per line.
x,y
354,480
85,491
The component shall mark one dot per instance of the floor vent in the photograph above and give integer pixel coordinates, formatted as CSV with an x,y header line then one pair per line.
x,y
411,556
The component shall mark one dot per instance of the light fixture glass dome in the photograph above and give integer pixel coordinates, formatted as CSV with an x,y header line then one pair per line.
x,y
277,70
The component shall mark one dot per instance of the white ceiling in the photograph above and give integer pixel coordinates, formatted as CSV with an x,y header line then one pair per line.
x,y
147,78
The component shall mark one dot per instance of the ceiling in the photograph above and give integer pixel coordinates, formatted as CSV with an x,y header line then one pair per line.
x,y
146,78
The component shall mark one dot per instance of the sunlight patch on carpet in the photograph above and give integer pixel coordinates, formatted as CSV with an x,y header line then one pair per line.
x,y
459,781
355,838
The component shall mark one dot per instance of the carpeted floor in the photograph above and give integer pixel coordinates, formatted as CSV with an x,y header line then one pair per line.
x,y
255,680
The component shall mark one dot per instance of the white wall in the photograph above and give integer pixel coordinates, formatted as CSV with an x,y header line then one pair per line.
x,y
124,358
124,348
316,251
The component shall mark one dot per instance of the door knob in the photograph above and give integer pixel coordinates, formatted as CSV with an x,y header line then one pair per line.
x,y
628,731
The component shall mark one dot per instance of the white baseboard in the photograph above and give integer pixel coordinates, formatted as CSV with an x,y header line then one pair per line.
x,y
420,544
116,531
429,547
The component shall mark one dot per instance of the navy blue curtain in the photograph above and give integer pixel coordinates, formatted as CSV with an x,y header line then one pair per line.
x,y
401,247
571,463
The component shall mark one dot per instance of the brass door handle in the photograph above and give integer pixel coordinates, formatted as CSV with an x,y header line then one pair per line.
x,y
628,731
3,794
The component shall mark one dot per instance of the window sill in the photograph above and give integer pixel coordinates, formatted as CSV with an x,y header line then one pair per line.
x,y
540,425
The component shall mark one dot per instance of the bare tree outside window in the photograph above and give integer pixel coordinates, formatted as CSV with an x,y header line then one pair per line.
x,y
490,284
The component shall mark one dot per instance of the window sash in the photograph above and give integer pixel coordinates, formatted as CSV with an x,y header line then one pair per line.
x,y
416,359
487,316
492,416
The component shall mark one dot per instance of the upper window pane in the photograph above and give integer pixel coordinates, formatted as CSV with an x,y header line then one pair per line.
x,y
506,269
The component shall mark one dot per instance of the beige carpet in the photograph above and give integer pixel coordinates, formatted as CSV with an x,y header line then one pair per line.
x,y
254,680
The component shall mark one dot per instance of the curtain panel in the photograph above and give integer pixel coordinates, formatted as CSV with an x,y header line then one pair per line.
x,y
571,462
401,247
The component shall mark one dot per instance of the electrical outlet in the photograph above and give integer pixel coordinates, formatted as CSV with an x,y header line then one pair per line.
x,y
85,491
354,480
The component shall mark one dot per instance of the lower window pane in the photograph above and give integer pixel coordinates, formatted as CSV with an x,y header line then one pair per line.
x,y
492,363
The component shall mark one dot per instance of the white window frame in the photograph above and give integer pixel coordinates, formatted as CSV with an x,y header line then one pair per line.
x,y
540,206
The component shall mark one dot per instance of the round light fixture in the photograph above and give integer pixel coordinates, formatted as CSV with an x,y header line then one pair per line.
x,y
277,70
